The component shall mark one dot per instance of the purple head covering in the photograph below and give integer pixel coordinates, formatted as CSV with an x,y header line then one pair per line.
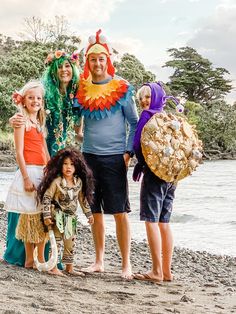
x,y
158,97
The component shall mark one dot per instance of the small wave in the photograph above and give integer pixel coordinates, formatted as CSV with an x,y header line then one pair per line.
x,y
184,218
232,223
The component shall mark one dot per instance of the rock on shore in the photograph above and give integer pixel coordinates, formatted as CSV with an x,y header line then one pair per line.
x,y
204,283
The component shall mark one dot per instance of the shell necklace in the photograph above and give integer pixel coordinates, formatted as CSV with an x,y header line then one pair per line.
x,y
37,125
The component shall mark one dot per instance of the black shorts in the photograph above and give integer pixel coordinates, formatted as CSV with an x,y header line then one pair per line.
x,y
156,198
111,185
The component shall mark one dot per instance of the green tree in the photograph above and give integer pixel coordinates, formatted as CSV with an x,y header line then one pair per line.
x,y
195,77
131,69
216,126
21,61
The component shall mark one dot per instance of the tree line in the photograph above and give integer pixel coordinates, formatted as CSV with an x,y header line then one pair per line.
x,y
194,78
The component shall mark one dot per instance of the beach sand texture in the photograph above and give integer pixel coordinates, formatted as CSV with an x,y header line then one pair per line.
x,y
204,283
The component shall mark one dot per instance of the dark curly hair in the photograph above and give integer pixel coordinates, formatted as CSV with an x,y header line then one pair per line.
x,y
54,170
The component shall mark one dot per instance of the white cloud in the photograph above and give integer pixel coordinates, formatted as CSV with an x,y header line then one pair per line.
x,y
178,19
127,44
215,38
13,12
162,74
84,10
184,34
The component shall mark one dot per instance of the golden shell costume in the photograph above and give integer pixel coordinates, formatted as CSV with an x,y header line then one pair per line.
x,y
171,147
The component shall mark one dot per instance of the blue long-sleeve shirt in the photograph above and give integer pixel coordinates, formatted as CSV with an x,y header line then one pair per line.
x,y
114,134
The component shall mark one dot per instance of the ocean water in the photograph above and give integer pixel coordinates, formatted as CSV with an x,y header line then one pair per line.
x,y
204,213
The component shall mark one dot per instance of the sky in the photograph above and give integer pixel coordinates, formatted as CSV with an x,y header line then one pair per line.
x,y
146,29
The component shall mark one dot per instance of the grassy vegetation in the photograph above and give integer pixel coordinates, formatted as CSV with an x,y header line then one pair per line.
x,y
6,140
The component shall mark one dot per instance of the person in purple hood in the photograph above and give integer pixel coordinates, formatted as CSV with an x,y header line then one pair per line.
x,y
156,195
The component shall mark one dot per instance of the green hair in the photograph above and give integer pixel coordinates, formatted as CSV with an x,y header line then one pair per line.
x,y
60,118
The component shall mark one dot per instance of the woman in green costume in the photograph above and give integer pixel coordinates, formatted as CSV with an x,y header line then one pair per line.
x,y
60,80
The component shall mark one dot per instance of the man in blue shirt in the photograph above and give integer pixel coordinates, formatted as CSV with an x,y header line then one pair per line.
x,y
107,104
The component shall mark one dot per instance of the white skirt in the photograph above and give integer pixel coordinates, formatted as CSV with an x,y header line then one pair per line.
x,y
20,201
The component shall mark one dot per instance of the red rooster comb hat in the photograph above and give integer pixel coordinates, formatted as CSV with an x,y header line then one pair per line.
x,y
98,44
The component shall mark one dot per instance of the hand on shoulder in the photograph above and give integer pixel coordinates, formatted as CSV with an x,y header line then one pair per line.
x,y
17,120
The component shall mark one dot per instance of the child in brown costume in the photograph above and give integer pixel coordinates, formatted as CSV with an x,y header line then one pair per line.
x,y
67,180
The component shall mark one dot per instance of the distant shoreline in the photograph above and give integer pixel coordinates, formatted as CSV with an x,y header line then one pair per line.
x,y
8,169
13,167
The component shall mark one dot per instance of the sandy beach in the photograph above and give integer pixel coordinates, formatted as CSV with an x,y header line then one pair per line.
x,y
203,283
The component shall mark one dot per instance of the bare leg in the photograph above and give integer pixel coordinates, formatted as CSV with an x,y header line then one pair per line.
x,y
41,247
154,241
29,259
167,250
124,240
98,230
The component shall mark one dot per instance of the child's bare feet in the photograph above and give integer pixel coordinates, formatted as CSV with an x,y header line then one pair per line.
x,y
56,272
29,264
94,268
70,271
75,273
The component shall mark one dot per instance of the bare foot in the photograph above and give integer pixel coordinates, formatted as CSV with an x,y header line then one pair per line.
x,y
56,272
150,276
147,277
29,265
94,268
127,273
168,278
75,273
2,261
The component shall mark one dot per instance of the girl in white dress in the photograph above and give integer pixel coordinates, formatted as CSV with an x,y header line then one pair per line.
x,y
31,156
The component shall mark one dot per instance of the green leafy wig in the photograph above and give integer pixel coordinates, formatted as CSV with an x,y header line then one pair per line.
x,y
59,107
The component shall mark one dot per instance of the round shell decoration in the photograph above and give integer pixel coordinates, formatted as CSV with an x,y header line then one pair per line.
x,y
171,147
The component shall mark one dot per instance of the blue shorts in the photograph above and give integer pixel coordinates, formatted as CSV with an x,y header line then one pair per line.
x,y
111,185
156,198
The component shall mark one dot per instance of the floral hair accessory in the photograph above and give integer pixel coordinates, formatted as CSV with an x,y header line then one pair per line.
x,y
75,56
52,56
17,98
59,54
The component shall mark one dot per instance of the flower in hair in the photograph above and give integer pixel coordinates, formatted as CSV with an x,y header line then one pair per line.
x,y
58,54
75,56
49,58
17,98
